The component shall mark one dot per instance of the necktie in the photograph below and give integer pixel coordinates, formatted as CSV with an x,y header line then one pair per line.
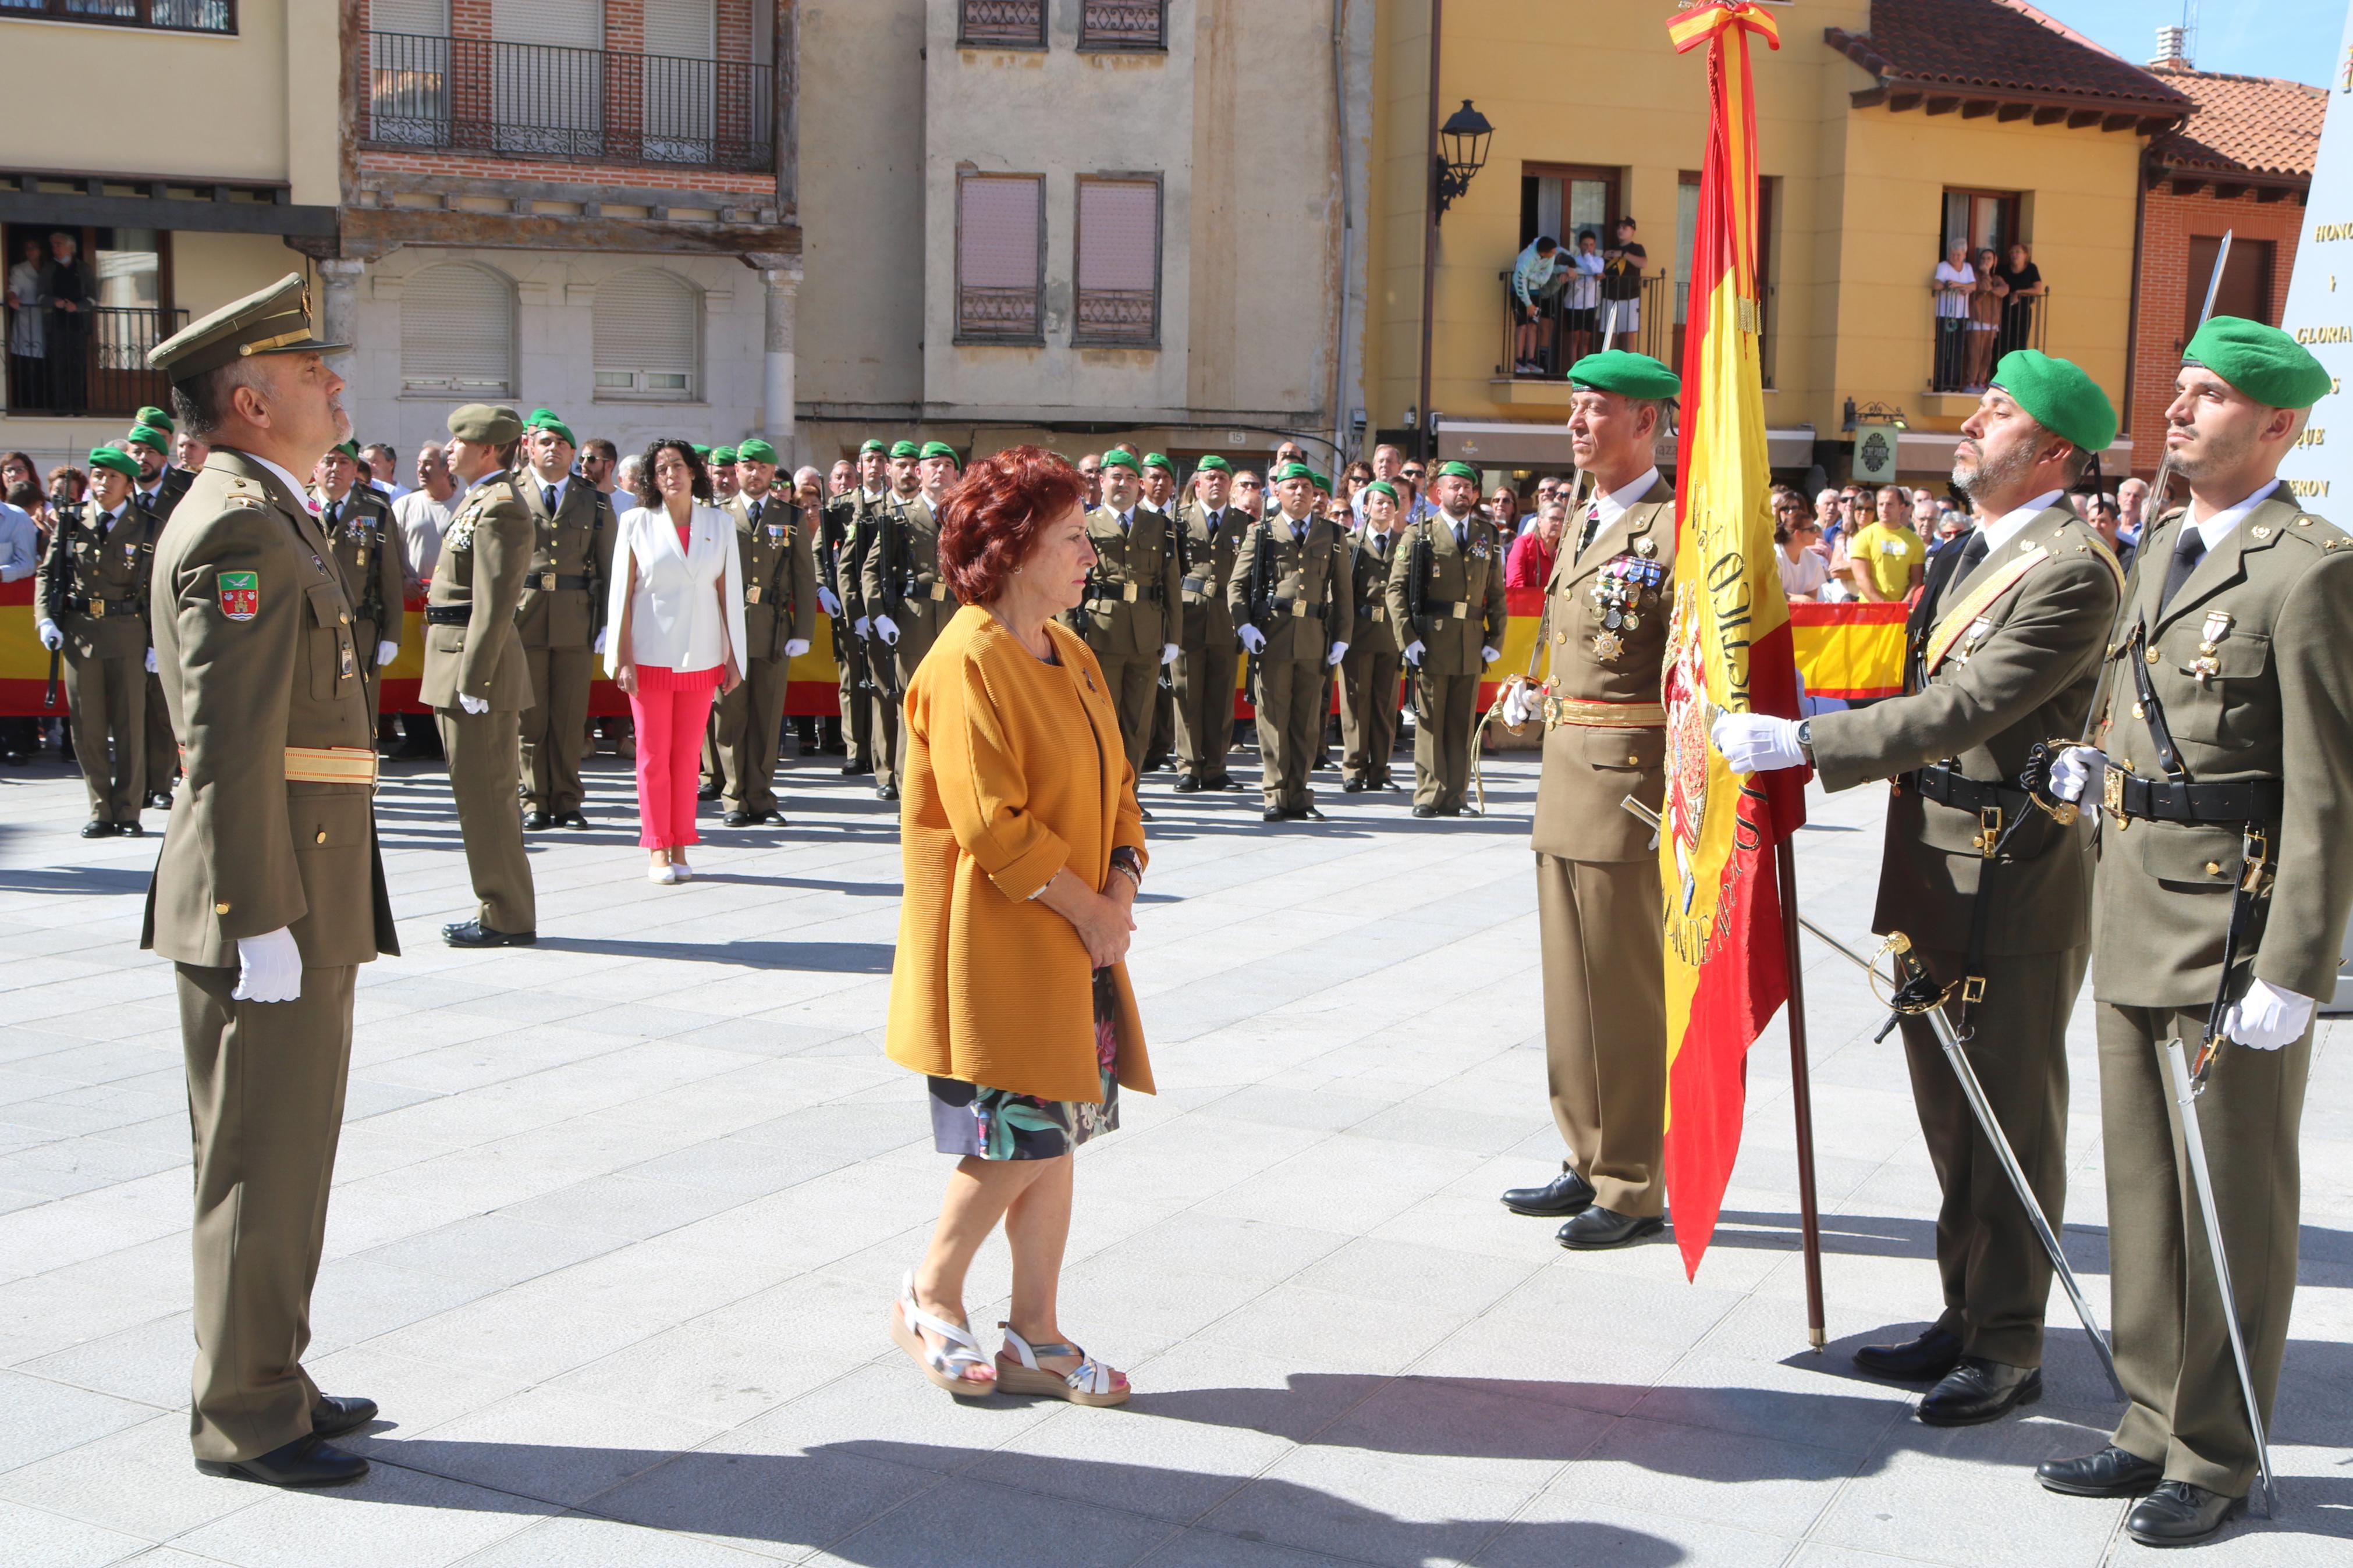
x,y
334,513
1592,527
2188,552
547,498
752,510
1462,535
1126,521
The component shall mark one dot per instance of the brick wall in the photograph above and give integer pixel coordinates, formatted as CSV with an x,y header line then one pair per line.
x,y
2168,224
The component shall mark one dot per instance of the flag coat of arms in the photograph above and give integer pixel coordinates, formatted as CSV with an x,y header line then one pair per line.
x,y
1729,647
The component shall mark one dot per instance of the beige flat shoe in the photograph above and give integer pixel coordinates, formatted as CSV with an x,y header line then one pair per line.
x,y
1092,1383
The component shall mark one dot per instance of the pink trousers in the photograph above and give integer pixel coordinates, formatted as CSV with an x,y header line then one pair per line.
x,y
671,708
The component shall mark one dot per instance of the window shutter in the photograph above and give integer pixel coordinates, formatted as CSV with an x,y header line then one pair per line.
x,y
1118,261
420,18
457,332
683,29
647,333
561,24
997,241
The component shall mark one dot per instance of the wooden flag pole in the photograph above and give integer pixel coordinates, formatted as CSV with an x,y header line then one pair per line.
x,y
1801,1097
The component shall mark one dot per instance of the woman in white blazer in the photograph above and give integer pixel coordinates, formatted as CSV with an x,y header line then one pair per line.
x,y
677,613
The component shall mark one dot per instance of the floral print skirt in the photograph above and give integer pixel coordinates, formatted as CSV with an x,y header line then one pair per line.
x,y
970,1119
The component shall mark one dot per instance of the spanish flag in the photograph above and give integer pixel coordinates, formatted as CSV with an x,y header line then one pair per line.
x,y
1729,646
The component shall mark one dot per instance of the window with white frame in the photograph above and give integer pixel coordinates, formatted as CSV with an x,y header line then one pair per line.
x,y
457,332
1118,261
648,332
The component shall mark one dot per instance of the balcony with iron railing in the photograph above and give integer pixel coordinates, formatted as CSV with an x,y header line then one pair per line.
x,y
565,105
1974,327
1571,323
93,361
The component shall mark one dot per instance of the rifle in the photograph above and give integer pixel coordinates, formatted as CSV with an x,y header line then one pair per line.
x,y
1417,580
829,541
57,603
1261,594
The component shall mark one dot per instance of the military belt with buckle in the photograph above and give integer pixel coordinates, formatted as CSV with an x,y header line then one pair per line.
x,y
1593,713
2129,797
1194,587
448,614
1298,609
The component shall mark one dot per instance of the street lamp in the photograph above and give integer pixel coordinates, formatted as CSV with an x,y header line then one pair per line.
x,y
1465,135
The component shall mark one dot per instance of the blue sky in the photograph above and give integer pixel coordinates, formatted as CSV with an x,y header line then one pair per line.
x,y
2293,38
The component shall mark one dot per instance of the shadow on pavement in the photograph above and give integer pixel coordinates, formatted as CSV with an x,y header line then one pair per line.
x,y
825,957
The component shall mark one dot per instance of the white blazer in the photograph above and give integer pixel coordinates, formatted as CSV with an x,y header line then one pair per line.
x,y
675,620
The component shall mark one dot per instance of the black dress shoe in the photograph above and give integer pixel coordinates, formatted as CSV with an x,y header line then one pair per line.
x,y
474,933
1599,1227
1352,786
1922,1360
129,831
709,792
571,819
861,768
1271,813
98,830
1225,783
739,819
1188,785
2180,1514
538,822
886,792
849,770
307,1461
1307,814
2111,1472
1567,1194
1978,1390
1425,811
1145,811
336,1414
159,800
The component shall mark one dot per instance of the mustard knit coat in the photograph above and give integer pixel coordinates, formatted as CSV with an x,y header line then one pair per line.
x,y
1015,771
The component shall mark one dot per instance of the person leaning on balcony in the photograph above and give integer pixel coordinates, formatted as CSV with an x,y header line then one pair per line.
x,y
2006,653
2022,285
28,329
1621,287
1532,286
1984,319
1601,921
1954,282
1024,851
1582,317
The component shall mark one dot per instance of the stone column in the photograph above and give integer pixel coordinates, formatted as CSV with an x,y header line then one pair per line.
x,y
339,310
783,283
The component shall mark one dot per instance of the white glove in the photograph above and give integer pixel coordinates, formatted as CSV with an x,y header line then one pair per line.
x,y
859,626
795,647
1519,703
268,968
474,704
1339,651
1252,638
828,602
1413,652
1757,743
51,638
151,661
2267,1017
602,632
385,652
888,630
1490,655
2077,772
1168,652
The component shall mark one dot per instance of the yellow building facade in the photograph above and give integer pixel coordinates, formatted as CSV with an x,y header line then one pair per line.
x,y
1884,127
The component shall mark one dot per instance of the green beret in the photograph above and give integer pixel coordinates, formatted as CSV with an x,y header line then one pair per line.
x,y
1290,471
1159,460
1384,487
114,457
148,435
350,448
752,449
725,455
481,422
1213,464
1627,374
1454,470
541,419
155,418
701,450
1120,457
2263,361
1321,481
906,449
273,320
874,444
2060,397
937,449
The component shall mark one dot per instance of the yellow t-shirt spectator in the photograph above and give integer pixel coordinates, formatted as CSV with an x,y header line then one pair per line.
x,y
1890,554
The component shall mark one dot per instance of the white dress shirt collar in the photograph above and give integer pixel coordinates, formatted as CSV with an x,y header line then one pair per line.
x,y
2005,528
2216,527
1614,505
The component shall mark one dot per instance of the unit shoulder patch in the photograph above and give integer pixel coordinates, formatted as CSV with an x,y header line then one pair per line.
x,y
240,595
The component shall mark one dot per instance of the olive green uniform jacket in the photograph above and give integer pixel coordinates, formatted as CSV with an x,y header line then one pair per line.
x,y
485,555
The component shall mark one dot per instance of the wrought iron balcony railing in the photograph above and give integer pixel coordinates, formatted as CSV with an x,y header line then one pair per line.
x,y
593,106
92,362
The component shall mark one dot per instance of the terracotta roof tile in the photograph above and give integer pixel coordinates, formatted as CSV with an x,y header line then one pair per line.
x,y
2245,124
1997,47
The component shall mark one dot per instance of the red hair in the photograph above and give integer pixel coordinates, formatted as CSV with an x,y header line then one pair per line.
x,y
991,519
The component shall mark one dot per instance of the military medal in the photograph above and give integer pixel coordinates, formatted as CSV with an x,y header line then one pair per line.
x,y
1608,646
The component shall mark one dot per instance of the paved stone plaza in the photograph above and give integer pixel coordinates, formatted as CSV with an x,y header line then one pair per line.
x,y
617,1219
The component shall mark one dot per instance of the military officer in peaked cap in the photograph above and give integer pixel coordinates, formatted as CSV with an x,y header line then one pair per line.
x,y
1994,892
560,617
1209,531
1600,917
269,891
774,542
1446,599
1293,605
477,674
1130,615
89,597
2226,868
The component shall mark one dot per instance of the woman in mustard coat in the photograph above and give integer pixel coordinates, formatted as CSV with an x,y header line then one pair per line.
x,y
1023,850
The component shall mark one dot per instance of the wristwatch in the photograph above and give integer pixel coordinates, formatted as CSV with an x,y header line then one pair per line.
x,y
1806,740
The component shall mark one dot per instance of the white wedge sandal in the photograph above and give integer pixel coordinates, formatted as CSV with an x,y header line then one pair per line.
x,y
944,1367
1092,1383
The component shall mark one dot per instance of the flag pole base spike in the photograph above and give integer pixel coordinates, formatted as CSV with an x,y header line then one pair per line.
x,y
1816,1338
